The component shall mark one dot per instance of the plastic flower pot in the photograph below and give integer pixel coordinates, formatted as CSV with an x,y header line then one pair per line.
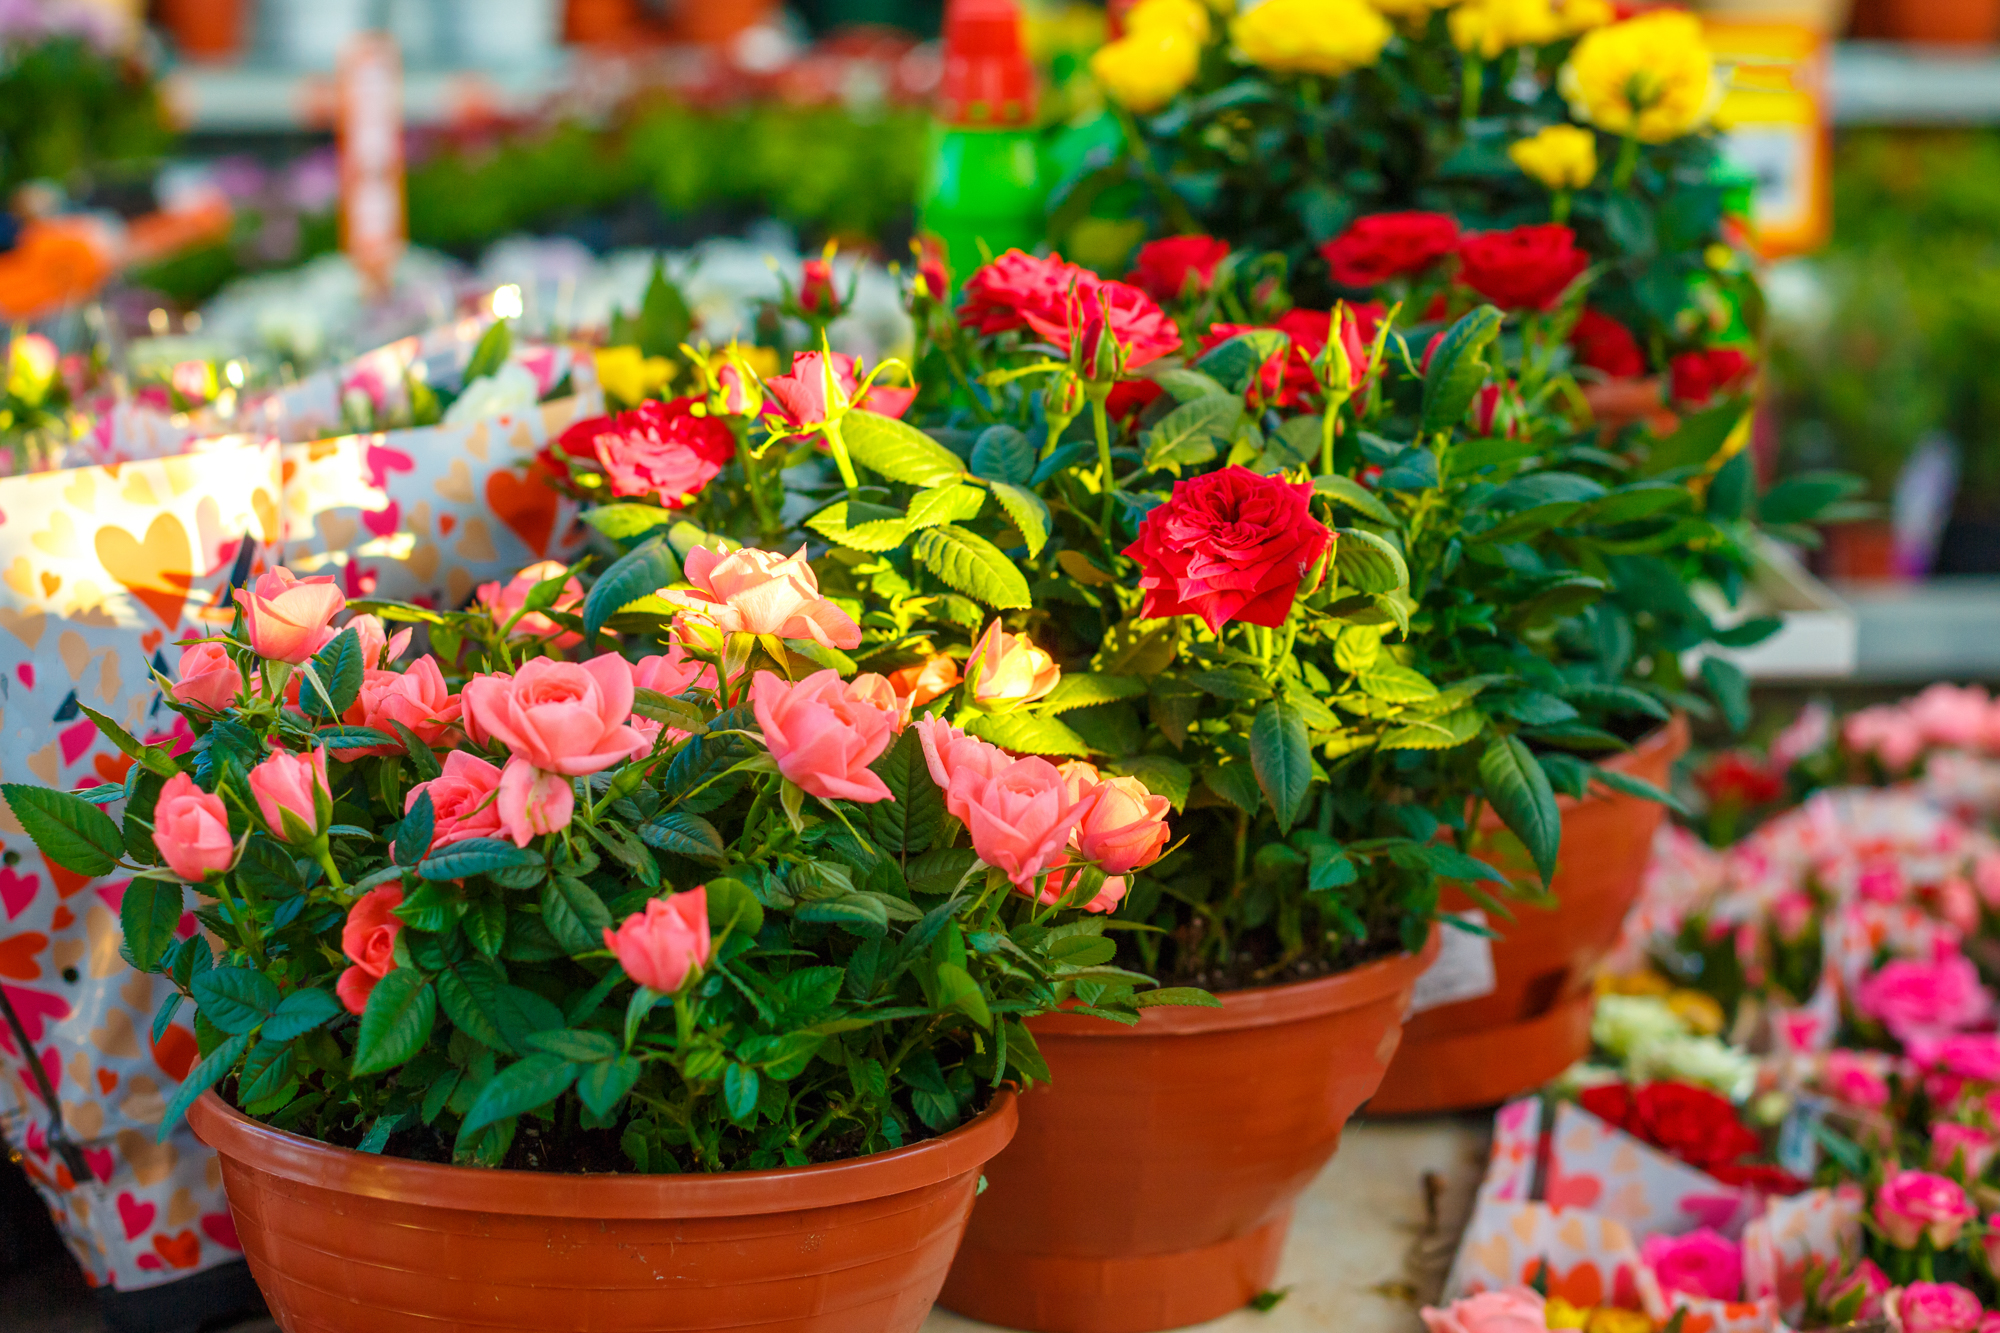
x,y
1536,1021
204,29
349,1242
1944,22
1151,1183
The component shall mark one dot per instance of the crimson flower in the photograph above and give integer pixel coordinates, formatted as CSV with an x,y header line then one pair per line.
x,y
1287,381
1606,346
1388,245
1058,302
1170,269
1229,545
1699,377
1528,268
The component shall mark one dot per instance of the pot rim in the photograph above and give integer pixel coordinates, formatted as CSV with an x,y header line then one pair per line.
x,y
1260,1006
307,1161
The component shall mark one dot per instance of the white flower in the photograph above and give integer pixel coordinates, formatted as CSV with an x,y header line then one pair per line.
x,y
1624,1024
508,391
1707,1061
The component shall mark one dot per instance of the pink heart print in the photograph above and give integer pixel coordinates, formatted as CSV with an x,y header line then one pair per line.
x,y
136,1215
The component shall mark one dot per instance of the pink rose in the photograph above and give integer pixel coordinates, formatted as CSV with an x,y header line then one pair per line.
x,y
664,450
1020,818
1914,1204
1056,884
762,592
1888,733
823,735
670,673
1702,1264
378,648
1793,914
1909,996
463,800
1955,1146
1516,1310
369,941
1963,1055
1986,879
1935,1307
660,946
290,619
1009,670
1958,904
295,785
822,386
1882,883
1873,1285
1124,826
561,717
1855,1077
1950,715
417,698
504,603
1990,1242
533,801
208,677
191,829
961,765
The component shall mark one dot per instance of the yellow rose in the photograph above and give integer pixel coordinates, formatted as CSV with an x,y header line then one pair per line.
x,y
1487,28
1189,16
1409,9
1312,36
1562,157
1698,1010
1559,1313
1606,1320
628,376
1582,15
1142,71
1651,77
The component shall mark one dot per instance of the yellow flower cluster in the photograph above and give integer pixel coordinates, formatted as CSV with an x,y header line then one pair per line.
x,y
1651,78
630,377
1487,28
1561,1314
1158,56
1409,9
1330,37
1562,157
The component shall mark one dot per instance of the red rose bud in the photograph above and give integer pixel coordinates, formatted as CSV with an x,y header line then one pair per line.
x,y
817,294
1606,346
1229,545
1290,380
1699,377
1055,300
1528,268
1178,267
933,273
1388,245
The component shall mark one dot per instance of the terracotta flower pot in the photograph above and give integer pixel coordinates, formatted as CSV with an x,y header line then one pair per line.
x,y
1536,1021
712,22
346,1242
204,29
1151,1183
1944,22
600,21
1616,404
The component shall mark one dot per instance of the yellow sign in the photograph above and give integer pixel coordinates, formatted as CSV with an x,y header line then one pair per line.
x,y
1775,125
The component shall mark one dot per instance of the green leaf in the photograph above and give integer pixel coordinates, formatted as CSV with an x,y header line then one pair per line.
x,y
69,830
1027,513
338,668
950,503
1806,496
639,573
1235,783
1698,440
1027,733
1392,682
603,1086
957,990
1239,684
732,905
685,835
235,999
1193,432
860,526
574,914
897,450
578,1044
972,565
909,822
1348,491
1235,363
414,832
1369,562
858,913
1458,369
1175,995
201,1078
1632,785
1083,689
149,915
266,1072
396,1023
1731,688
154,758
739,1092
1519,792
623,521
1002,453
519,1088
664,320
1163,776
301,1012
1281,756
474,856
490,352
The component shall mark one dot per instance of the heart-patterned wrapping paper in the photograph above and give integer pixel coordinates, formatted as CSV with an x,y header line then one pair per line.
x,y
102,570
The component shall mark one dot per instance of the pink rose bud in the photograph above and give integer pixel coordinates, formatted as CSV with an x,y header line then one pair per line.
x,y
1914,1204
823,734
662,945
463,801
1704,1264
533,802
1516,1310
378,646
369,941
561,717
1935,1307
1124,826
290,619
961,765
295,785
191,829
503,603
1962,1147
871,688
1011,670
208,677
1021,819
933,678
817,294
1870,1281
761,592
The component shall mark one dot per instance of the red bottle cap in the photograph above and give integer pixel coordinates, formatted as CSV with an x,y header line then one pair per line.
x,y
987,77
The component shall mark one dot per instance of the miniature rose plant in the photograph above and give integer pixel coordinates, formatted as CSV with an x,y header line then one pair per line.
x,y
697,903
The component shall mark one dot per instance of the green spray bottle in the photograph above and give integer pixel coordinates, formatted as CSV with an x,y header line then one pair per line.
x,y
982,191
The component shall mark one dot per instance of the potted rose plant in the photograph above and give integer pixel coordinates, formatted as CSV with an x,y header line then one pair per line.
x,y
510,969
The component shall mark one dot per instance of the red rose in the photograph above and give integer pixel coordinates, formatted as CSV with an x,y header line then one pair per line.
x,y
1698,1126
663,449
1735,777
1527,268
1606,346
1287,381
1763,1179
1388,245
1610,1102
1229,545
1165,269
1700,376
1131,397
1055,300
817,294
579,441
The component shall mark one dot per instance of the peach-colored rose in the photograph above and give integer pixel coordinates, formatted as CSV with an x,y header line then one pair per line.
x,y
463,799
1020,818
762,592
191,829
562,717
961,765
369,940
1914,1204
669,673
1106,900
1516,1310
875,689
208,677
293,784
662,945
1010,670
502,603
823,735
1124,826
933,678
533,801
378,646
417,698
289,619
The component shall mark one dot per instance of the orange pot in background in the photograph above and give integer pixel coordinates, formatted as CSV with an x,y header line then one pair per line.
x,y
1616,404
1151,1183
713,22
1536,1023
204,29
348,1242
600,21
1943,22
